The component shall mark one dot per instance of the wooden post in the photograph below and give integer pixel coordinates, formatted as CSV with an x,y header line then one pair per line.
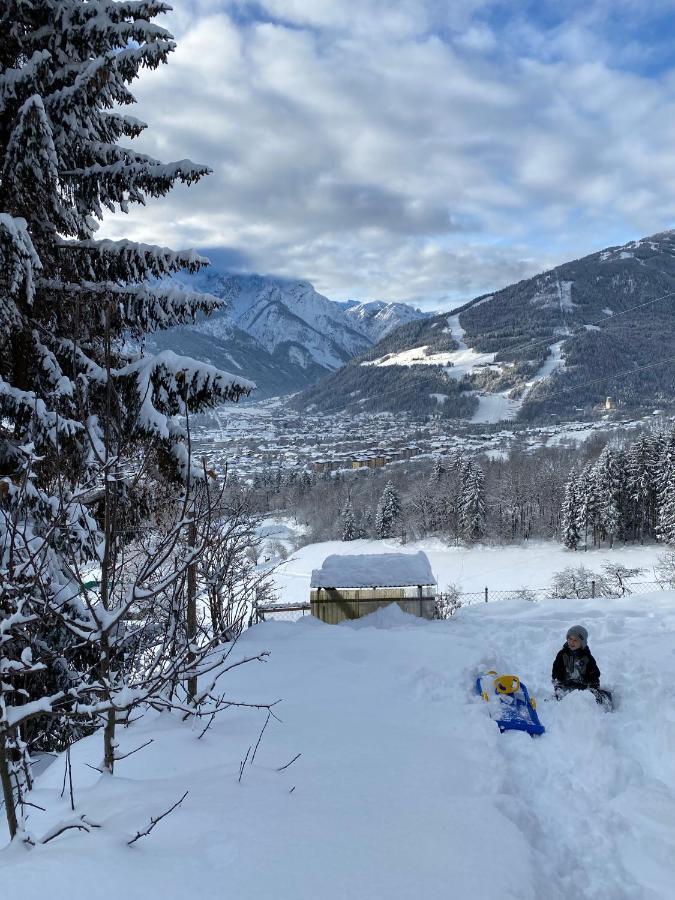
x,y
486,595
593,588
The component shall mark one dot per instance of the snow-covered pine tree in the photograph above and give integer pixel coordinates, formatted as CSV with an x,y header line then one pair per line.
x,y
666,495
608,476
642,488
349,530
473,510
585,503
437,473
70,393
665,476
570,515
666,527
388,514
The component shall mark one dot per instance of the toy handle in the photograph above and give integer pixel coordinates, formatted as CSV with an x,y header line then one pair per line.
x,y
506,684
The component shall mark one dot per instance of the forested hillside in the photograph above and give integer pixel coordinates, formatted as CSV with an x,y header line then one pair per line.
x,y
556,345
427,390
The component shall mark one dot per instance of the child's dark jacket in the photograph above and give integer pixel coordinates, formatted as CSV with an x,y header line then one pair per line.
x,y
576,667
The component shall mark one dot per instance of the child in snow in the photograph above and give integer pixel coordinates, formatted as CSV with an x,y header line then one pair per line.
x,y
574,668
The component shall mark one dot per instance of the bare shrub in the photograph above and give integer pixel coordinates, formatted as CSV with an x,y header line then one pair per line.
x,y
448,602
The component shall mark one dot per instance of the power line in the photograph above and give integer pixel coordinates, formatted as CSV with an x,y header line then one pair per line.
x,y
598,324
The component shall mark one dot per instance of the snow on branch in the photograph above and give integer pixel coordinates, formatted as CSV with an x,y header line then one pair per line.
x,y
47,421
18,256
128,260
25,80
81,823
62,386
169,385
152,178
143,306
123,125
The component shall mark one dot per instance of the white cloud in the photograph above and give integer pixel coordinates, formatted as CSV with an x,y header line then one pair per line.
x,y
416,154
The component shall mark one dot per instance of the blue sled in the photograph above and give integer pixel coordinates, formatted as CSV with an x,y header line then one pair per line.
x,y
509,703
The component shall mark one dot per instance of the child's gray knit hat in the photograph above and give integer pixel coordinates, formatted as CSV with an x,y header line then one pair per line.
x,y
579,632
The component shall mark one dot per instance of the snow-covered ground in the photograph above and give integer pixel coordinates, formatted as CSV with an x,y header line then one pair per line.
x,y
405,788
530,564
497,407
501,407
492,407
460,362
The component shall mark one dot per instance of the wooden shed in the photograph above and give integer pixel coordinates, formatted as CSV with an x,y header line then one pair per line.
x,y
351,586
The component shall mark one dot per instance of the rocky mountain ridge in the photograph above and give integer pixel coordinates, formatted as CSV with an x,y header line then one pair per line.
x,y
281,333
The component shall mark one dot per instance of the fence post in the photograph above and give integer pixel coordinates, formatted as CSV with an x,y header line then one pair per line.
x,y
486,595
593,588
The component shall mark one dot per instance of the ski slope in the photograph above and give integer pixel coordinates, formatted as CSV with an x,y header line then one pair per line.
x,y
405,788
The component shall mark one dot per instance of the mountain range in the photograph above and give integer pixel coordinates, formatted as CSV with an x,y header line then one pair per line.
x,y
555,346
279,332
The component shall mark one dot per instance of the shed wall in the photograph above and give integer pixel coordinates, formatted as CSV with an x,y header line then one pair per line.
x,y
333,605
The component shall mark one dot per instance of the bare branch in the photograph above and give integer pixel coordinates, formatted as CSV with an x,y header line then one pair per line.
x,y
131,752
154,821
289,763
81,824
242,764
269,715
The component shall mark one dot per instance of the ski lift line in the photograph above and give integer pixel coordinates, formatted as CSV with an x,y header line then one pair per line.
x,y
598,324
623,374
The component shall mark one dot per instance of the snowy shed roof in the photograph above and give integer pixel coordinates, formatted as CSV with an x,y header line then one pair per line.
x,y
373,570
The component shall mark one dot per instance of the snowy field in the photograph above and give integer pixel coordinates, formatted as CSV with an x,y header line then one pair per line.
x,y
530,564
404,788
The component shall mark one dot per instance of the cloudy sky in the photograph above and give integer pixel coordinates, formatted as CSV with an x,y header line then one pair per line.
x,y
421,150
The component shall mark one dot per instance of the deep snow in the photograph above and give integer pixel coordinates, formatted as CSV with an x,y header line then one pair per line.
x,y
405,788
530,564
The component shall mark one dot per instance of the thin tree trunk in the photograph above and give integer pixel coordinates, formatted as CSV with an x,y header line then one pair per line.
x,y
192,610
106,562
7,792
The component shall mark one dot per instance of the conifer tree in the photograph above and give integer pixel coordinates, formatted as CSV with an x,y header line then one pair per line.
x,y
570,515
388,514
438,473
473,510
642,469
666,491
75,402
608,476
585,503
666,523
349,530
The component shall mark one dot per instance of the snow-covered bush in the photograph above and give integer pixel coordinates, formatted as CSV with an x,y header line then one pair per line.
x,y
616,579
664,571
613,581
576,582
448,602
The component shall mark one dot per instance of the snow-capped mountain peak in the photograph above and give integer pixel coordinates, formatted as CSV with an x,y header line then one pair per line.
x,y
290,327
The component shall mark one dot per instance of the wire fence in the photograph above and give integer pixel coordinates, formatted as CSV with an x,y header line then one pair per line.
x,y
589,591
451,601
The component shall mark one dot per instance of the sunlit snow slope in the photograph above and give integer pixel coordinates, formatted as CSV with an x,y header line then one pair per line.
x,y
405,788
